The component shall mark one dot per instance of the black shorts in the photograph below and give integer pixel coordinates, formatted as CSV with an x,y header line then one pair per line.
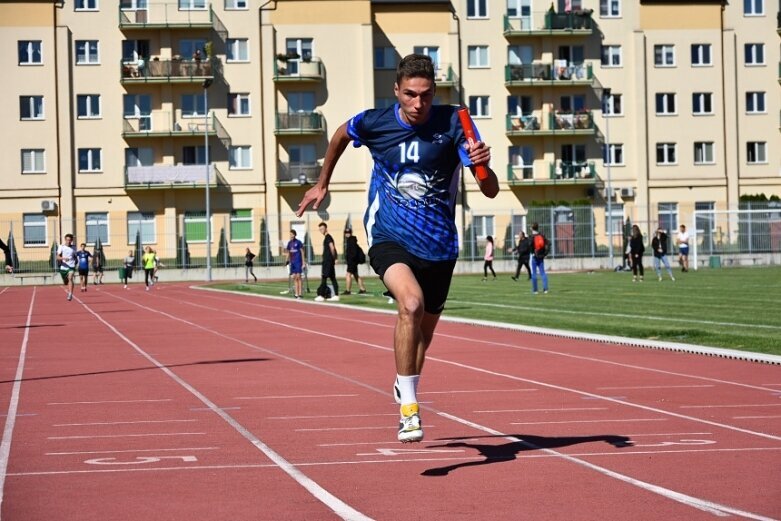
x,y
83,273
352,267
328,271
433,276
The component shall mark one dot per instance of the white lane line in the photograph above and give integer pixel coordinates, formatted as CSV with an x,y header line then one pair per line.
x,y
668,434
295,397
120,423
564,409
335,416
437,441
700,504
755,417
147,435
111,401
13,405
481,391
132,451
638,387
339,507
630,420
337,429
737,406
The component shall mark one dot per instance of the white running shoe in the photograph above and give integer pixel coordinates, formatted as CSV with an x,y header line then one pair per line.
x,y
410,428
319,298
335,298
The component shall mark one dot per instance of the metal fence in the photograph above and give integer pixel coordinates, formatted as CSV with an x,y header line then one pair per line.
x,y
181,240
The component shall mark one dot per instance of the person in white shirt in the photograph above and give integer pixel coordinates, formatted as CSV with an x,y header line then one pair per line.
x,y
66,261
683,248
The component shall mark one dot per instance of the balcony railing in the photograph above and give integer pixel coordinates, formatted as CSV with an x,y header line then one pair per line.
x,y
540,23
298,174
558,73
573,171
299,123
163,123
519,174
171,176
571,122
445,76
297,70
174,70
158,15
560,122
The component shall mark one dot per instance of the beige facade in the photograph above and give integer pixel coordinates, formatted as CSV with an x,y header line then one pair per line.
x,y
694,86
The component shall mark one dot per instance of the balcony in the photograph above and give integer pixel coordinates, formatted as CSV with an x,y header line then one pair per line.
x,y
298,174
170,71
166,124
560,173
445,76
299,124
558,123
298,70
171,176
164,15
549,23
520,175
556,74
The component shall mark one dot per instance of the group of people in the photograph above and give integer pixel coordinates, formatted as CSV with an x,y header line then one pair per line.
x,y
659,244
71,261
531,252
150,263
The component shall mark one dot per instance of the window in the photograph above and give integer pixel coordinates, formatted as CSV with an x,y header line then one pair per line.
x,y
753,7
133,5
237,50
188,47
236,4
665,154
302,154
614,221
194,155
85,5
238,104
141,224
703,153
97,227
300,46
193,105
33,161
522,159
192,5
701,54
240,157
609,8
520,105
520,9
483,226
612,105
611,56
664,55
665,103
755,102
139,156
301,102
30,52
241,225
668,217
478,56
520,54
755,53
30,107
132,50
478,106
477,9
34,229
384,103
613,154
87,52
756,152
430,51
705,224
89,160
384,58
195,226
702,103
87,106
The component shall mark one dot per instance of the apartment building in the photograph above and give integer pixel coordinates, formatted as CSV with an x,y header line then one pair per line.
x,y
117,113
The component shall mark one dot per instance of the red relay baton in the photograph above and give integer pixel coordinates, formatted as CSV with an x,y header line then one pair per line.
x,y
481,172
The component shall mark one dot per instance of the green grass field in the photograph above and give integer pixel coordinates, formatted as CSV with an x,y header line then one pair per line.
x,y
738,308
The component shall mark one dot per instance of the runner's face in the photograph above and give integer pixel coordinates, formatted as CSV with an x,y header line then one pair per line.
x,y
415,95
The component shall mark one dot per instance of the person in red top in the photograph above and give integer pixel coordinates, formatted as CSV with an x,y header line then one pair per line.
x,y
488,258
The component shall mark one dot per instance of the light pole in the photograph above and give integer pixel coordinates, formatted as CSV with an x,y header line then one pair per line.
x,y
206,84
608,161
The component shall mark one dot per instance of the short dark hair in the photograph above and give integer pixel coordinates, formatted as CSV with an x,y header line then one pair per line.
x,y
323,224
535,227
415,66
69,235
293,232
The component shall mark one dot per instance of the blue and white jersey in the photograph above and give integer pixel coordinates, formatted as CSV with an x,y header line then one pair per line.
x,y
295,247
414,183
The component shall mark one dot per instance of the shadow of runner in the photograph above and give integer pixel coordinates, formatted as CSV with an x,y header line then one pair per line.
x,y
509,451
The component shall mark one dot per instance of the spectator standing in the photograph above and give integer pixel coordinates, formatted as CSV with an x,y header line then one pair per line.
x,y
636,250
540,247
659,246
328,266
128,263
97,266
249,263
523,249
294,251
83,257
488,258
353,257
683,248
66,262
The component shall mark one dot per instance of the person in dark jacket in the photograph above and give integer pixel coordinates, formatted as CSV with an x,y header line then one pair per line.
x,y
249,263
636,249
524,251
659,246
9,265
352,257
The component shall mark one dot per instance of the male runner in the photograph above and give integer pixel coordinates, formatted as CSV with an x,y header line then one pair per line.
x,y
66,262
418,149
295,262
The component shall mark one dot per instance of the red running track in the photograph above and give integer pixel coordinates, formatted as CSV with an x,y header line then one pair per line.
x,y
183,404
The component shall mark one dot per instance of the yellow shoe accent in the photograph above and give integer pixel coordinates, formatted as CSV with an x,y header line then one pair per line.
x,y
409,409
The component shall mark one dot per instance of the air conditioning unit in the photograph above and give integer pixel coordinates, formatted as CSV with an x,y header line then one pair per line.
x,y
48,206
607,193
627,193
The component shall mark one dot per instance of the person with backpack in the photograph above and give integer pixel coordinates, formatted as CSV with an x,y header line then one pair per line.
x,y
353,256
540,249
523,250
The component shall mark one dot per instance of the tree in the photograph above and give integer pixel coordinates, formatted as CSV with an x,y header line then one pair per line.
x,y
139,251
11,243
265,258
182,253
223,255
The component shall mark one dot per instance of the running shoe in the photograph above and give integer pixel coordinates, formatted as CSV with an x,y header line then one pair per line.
x,y
319,298
335,298
410,428
70,296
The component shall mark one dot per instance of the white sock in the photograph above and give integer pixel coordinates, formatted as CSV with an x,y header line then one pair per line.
x,y
408,386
